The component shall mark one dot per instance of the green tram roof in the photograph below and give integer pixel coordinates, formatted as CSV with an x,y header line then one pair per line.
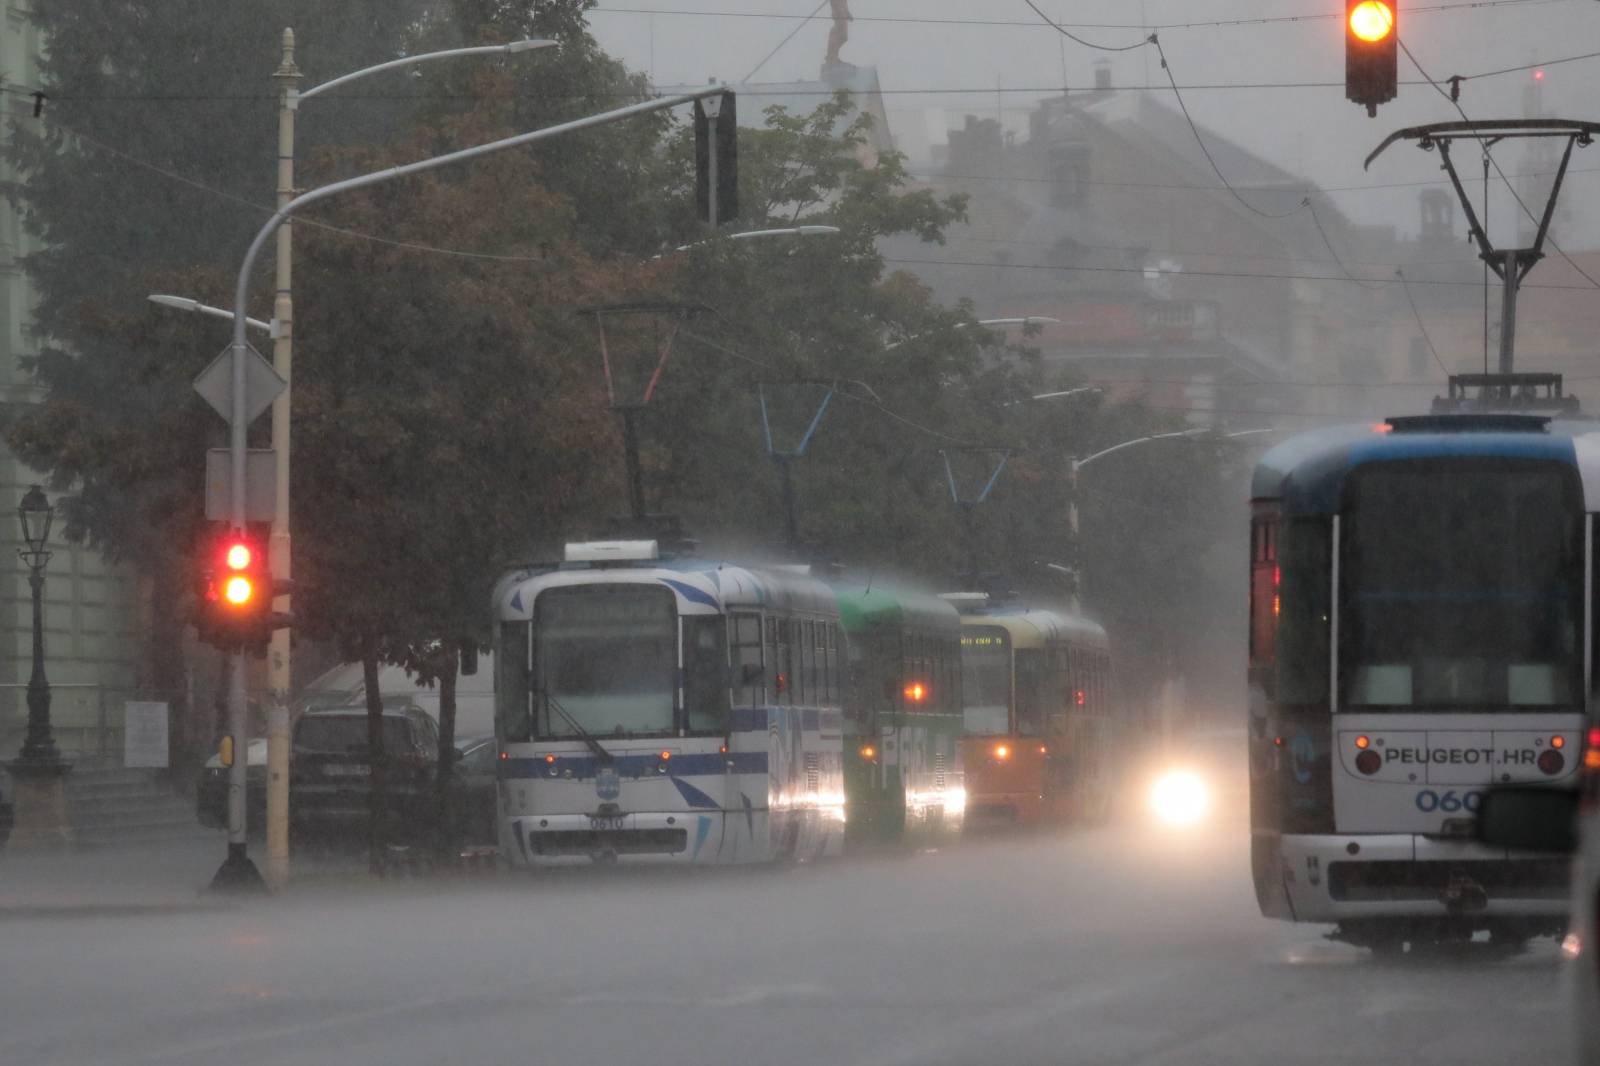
x,y
1041,628
863,608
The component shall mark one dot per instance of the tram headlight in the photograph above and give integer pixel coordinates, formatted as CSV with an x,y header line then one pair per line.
x,y
1180,798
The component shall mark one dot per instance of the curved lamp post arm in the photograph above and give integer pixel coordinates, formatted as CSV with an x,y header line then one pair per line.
x,y
362,181
1030,320
406,61
756,234
1079,464
183,303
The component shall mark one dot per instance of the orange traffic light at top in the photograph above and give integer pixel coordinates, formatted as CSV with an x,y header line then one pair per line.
x,y
1372,20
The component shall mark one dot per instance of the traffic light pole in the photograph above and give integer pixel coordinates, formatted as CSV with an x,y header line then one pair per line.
x,y
237,871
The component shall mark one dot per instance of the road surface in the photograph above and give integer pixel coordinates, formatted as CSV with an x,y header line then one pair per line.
x,y
1098,947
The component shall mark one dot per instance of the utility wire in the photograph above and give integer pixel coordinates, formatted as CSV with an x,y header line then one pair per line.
x,y
1252,188
268,211
1166,68
1087,44
928,21
1365,284
873,402
1342,278
1401,274
798,27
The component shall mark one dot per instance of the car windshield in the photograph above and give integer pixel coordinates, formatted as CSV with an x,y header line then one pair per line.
x,y
1462,587
605,660
330,734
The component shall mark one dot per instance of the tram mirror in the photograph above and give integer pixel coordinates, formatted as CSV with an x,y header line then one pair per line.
x,y
1529,818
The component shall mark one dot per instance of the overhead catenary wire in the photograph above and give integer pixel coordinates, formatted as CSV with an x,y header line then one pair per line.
x,y
1401,274
1154,40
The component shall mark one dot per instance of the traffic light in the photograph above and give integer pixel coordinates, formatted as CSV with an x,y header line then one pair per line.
x,y
1371,58
235,592
716,158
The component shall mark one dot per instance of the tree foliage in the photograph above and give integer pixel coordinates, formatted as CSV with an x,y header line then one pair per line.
x,y
448,412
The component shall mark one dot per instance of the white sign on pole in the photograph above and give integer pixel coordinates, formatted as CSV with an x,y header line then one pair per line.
x,y
261,384
144,734
260,485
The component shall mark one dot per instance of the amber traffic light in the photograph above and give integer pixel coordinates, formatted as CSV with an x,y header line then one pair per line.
x,y
1371,57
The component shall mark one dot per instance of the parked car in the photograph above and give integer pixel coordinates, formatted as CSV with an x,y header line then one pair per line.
x,y
330,772
211,793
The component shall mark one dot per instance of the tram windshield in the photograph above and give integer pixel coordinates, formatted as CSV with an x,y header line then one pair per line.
x,y
605,661
986,680
1461,587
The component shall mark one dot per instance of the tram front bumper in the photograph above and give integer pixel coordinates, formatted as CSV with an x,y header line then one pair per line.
x,y
1340,877
582,839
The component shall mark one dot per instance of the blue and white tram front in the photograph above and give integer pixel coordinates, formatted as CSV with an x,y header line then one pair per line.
x,y
1422,628
629,734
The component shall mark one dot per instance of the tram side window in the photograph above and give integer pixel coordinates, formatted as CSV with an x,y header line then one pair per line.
x,y
749,667
782,662
705,673
512,683
1305,564
1264,590
1030,692
1057,692
824,691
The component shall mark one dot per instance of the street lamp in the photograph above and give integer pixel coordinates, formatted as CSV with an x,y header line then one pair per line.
x,y
39,791
183,303
278,678
757,234
35,514
1079,464
1024,322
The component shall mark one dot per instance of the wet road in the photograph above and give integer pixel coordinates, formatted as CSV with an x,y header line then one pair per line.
x,y
1100,947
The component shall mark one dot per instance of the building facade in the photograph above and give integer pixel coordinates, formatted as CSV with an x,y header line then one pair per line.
x,y
92,610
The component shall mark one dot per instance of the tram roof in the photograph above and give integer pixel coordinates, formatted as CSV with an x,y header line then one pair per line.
x,y
698,586
1040,628
1307,472
861,608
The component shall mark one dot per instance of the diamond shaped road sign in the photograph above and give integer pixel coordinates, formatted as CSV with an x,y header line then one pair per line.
x,y
261,384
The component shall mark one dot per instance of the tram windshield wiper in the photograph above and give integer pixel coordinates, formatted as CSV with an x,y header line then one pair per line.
x,y
583,734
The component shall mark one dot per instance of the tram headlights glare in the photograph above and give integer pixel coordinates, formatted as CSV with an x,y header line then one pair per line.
x,y
1180,798
1002,752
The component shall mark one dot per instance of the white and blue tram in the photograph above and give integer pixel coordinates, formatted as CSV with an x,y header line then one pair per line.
x,y
1422,627
655,711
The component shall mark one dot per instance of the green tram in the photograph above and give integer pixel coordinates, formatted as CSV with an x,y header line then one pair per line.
x,y
902,719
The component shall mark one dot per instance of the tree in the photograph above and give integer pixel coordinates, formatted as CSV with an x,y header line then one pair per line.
x,y
140,91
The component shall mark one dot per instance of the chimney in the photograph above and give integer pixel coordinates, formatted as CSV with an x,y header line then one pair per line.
x,y
1102,74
